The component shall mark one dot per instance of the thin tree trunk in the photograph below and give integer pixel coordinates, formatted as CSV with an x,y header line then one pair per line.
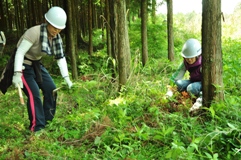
x,y
90,27
127,48
107,26
2,17
9,18
113,37
113,28
144,32
70,37
153,11
170,30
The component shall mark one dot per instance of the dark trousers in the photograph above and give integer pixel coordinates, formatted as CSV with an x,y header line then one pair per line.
x,y
40,109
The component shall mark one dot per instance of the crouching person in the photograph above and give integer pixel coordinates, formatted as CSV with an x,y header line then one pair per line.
x,y
192,62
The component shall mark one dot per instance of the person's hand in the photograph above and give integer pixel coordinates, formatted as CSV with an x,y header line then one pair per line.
x,y
68,81
17,80
169,93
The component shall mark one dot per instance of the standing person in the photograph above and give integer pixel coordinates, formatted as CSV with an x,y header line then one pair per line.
x,y
2,42
31,75
192,62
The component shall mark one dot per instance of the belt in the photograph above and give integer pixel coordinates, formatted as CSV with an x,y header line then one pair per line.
x,y
28,62
36,67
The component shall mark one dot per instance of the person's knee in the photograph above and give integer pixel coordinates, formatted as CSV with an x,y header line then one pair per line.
x,y
179,85
190,89
178,82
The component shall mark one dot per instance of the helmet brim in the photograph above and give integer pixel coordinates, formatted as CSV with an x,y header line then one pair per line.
x,y
190,56
58,27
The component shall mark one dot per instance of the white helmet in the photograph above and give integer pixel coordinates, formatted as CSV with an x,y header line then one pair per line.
x,y
56,16
191,48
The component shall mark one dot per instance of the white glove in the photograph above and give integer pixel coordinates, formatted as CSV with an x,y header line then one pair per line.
x,y
169,94
17,80
68,81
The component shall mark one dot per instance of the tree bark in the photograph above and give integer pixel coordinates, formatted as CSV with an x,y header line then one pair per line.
x,y
113,28
122,42
127,47
212,53
90,21
153,11
71,37
2,17
170,30
9,20
144,32
113,38
108,29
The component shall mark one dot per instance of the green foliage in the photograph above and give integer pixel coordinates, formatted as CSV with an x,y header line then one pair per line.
x,y
92,64
3,62
231,66
157,36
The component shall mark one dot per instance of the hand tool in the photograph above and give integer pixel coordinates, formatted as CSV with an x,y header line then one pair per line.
x,y
20,95
55,92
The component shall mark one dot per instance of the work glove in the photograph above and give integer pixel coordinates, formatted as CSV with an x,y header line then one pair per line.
x,y
169,93
17,80
68,81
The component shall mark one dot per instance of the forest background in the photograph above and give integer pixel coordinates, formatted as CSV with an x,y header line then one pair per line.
x,y
95,121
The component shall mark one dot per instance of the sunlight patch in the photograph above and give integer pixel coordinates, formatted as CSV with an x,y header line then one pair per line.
x,y
116,101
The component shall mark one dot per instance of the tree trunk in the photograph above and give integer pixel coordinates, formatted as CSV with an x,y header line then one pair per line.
x,y
144,32
90,50
127,48
70,37
170,30
102,21
153,11
113,28
122,42
107,26
212,52
9,18
113,37
83,19
2,17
